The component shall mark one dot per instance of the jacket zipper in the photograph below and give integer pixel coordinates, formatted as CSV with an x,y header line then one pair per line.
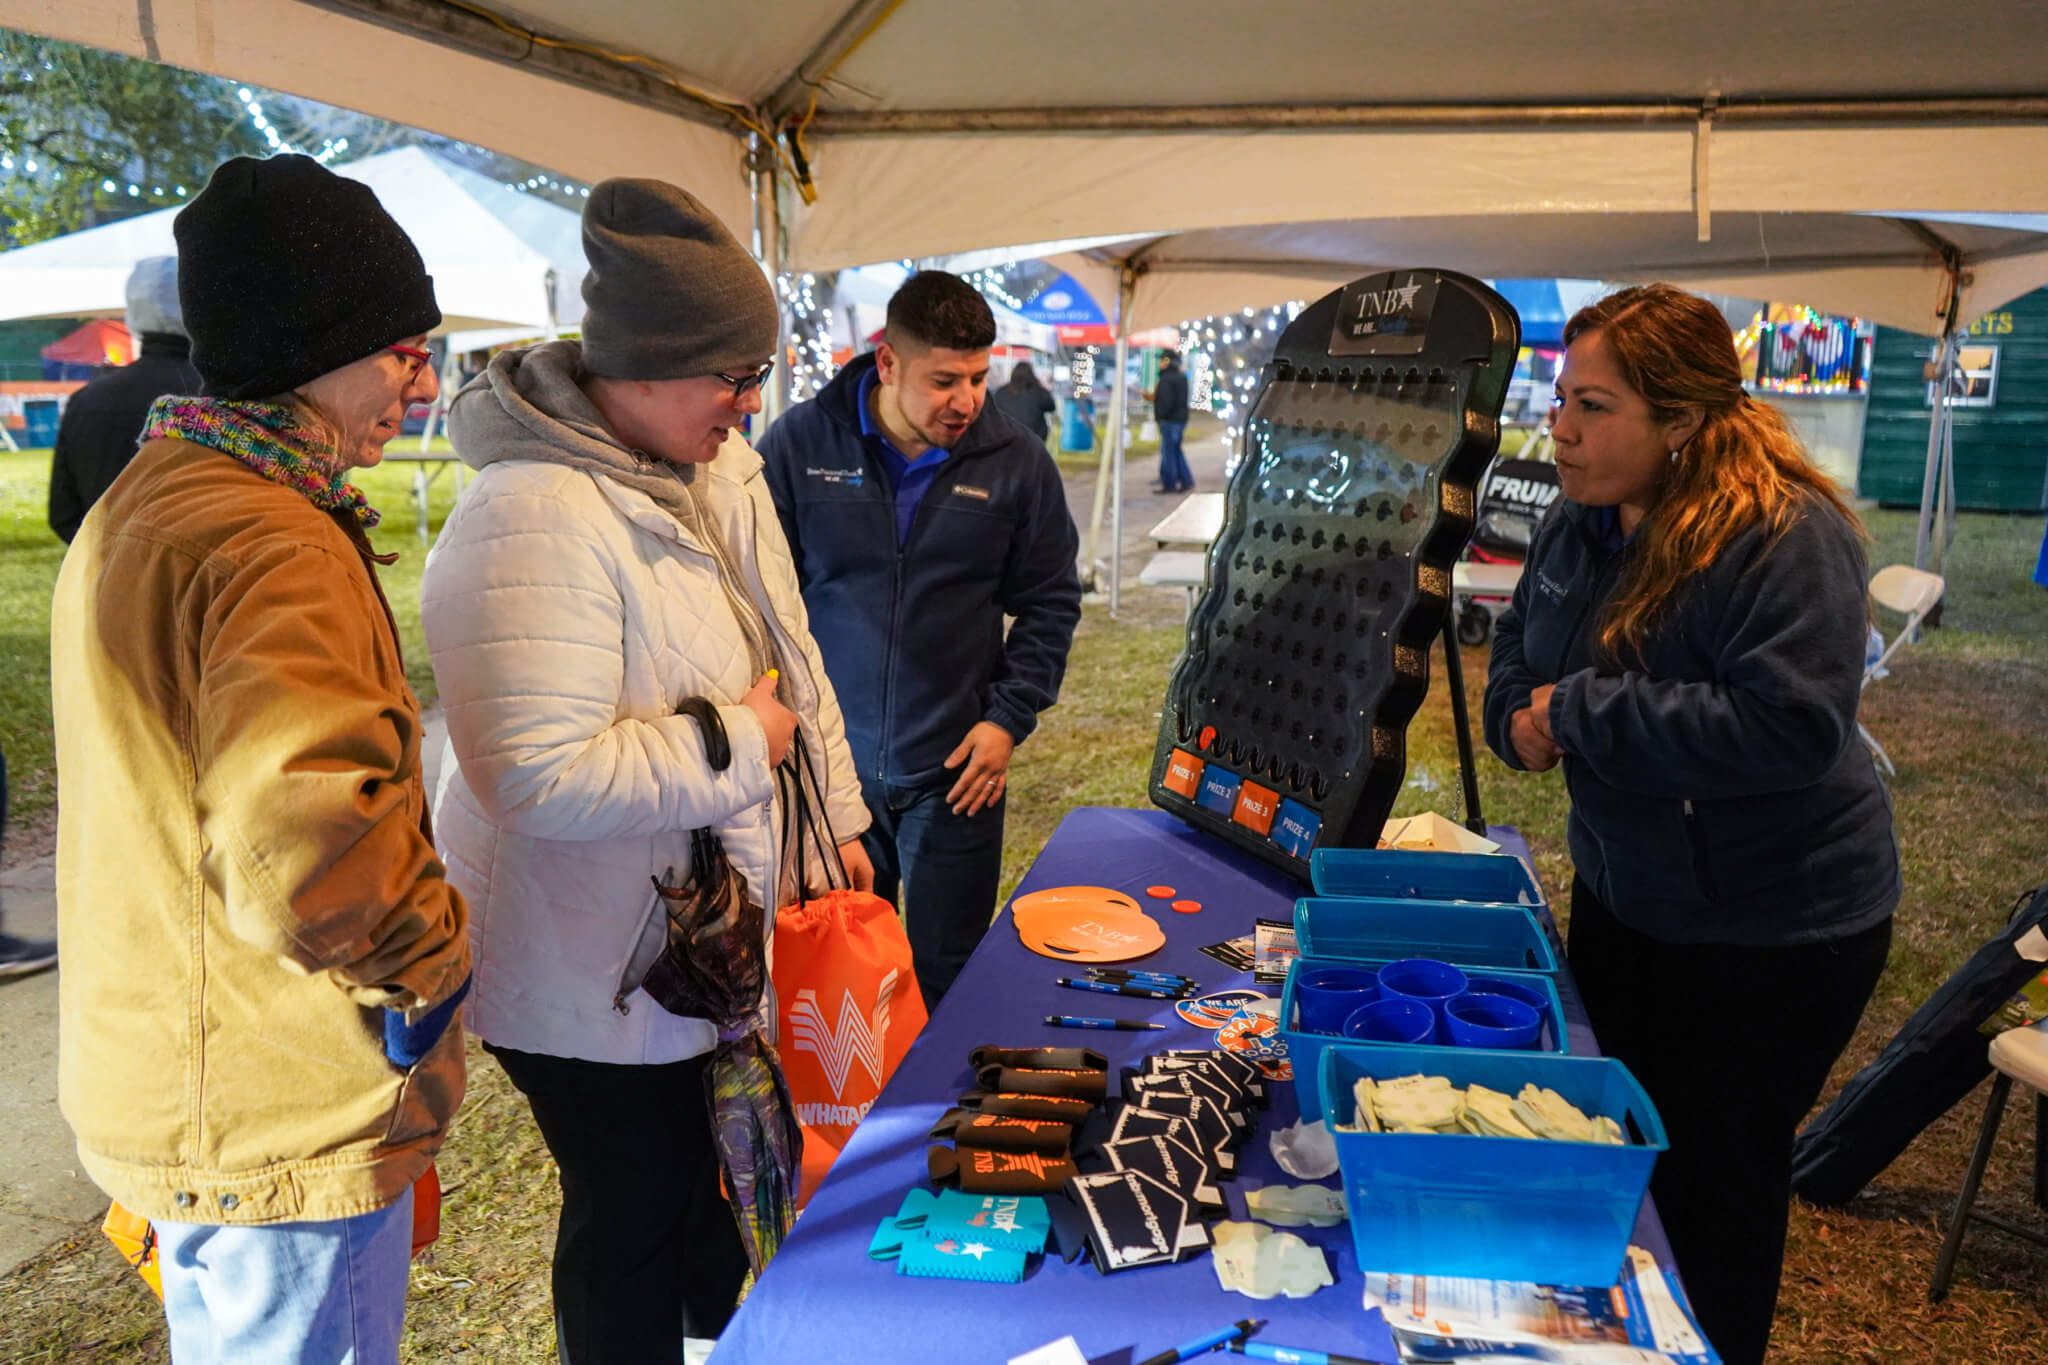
x,y
1700,871
626,988
895,645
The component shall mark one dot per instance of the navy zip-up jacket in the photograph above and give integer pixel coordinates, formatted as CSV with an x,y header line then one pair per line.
x,y
912,633
1720,792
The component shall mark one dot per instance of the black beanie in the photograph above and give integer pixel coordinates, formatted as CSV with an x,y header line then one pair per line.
x,y
670,294
287,271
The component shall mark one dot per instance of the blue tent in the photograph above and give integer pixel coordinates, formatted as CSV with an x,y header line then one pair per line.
x,y
1542,309
1064,303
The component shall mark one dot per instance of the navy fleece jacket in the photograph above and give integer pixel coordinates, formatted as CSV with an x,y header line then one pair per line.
x,y
912,632
1720,793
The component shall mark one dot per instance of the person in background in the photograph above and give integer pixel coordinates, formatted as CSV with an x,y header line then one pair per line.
x,y
920,516
262,958
19,956
1687,640
1170,411
1029,403
616,556
103,421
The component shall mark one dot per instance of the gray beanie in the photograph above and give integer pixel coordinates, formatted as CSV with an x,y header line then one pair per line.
x,y
670,294
153,297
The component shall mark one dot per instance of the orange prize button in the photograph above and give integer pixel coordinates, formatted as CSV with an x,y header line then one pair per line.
x,y
1256,806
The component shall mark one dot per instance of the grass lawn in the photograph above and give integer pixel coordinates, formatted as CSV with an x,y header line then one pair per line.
x,y
1962,716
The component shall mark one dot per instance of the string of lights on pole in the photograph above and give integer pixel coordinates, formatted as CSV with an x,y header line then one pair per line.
x,y
1223,355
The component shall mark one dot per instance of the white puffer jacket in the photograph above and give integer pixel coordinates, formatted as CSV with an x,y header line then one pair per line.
x,y
567,614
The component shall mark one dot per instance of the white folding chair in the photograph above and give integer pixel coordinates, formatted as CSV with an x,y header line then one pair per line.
x,y
2019,1054
1912,593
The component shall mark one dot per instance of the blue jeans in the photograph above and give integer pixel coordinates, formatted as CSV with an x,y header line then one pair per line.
x,y
328,1293
1173,462
948,868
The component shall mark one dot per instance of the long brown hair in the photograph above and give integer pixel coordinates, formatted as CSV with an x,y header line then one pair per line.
x,y
1741,468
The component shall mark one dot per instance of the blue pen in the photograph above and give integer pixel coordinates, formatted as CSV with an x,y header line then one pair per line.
x,y
1126,974
1117,988
1293,1355
1202,1345
1078,1021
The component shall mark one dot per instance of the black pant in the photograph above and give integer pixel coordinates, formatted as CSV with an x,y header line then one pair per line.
x,y
647,1251
1733,1045
948,867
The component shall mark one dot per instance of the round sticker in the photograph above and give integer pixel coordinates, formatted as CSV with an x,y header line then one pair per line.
x,y
1187,907
1210,1011
1159,893
1254,1034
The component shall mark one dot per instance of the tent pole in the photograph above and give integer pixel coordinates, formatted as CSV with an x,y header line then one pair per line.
x,y
768,250
1127,284
1091,560
1931,475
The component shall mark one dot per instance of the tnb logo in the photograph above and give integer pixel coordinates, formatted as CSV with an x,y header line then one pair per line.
x,y
858,1037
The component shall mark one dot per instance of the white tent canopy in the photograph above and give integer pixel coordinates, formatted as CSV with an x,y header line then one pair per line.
x,y
1888,269
927,134
499,260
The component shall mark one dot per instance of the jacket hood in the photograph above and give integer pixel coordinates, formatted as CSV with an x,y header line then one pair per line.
x,y
528,405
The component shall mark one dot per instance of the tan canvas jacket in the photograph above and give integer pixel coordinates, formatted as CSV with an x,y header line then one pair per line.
x,y
244,877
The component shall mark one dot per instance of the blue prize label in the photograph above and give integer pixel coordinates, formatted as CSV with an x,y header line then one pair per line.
x,y
1219,790
1295,828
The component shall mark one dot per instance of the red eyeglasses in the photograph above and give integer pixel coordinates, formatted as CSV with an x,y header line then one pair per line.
x,y
420,359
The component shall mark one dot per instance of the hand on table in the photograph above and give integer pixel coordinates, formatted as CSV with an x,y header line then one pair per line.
x,y
986,754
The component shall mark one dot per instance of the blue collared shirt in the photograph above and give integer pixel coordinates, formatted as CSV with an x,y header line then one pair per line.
x,y
910,477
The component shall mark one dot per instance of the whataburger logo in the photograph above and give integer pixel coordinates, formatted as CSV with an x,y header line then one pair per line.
x,y
857,1038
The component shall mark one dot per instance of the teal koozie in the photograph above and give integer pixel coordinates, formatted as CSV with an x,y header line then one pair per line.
x,y
1396,1020
906,1224
1326,996
1491,1021
955,1258
1014,1222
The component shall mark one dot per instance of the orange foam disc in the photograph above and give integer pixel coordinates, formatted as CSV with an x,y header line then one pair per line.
x,y
1075,895
1079,932
1159,893
1187,907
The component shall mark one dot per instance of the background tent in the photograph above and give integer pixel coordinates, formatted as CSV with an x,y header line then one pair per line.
x,y
918,136
85,352
498,260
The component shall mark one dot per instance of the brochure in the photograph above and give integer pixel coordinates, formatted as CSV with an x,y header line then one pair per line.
x,y
1637,1321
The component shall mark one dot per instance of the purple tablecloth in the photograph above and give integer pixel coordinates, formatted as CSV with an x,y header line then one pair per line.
x,y
823,1300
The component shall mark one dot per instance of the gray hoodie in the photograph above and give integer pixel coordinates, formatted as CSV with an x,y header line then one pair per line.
x,y
530,405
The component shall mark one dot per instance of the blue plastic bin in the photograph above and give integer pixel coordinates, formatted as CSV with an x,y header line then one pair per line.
x,y
1493,1208
40,420
1305,1050
1414,874
1464,935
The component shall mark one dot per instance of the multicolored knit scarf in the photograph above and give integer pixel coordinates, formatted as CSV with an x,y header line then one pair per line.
x,y
271,439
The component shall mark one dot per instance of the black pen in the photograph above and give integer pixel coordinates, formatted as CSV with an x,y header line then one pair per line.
x,y
1153,978
1117,988
1077,1021
1234,1334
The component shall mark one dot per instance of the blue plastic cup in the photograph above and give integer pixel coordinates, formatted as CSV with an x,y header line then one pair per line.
x,y
1393,1019
1325,997
1424,978
1513,990
1494,1021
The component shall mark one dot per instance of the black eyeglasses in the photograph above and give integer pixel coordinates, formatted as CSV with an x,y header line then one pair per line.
x,y
741,383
